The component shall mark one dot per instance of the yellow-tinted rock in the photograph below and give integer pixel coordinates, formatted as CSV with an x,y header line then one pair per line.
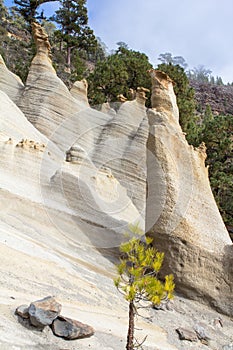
x,y
182,215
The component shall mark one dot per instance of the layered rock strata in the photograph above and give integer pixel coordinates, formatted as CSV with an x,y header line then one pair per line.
x,y
182,215
66,119
57,215
10,83
46,101
79,91
122,147
73,177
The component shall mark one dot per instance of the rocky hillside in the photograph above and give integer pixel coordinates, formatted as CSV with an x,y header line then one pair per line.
x,y
219,97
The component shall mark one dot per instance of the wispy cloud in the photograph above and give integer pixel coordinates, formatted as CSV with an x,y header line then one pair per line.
x,y
200,31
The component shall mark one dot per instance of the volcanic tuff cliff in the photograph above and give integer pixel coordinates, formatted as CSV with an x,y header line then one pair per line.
x,y
72,178
182,215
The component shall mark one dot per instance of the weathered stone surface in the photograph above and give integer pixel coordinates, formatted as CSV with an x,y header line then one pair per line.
x,y
41,39
95,197
122,146
228,347
22,311
186,334
46,101
106,108
79,91
43,312
61,220
10,83
71,329
69,123
182,215
75,154
31,144
63,116
163,98
14,125
121,98
217,322
201,332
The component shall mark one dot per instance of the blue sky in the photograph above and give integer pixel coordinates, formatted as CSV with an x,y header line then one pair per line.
x,y
199,30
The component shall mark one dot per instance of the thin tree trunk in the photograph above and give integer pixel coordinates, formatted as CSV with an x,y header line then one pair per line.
x,y
130,336
68,58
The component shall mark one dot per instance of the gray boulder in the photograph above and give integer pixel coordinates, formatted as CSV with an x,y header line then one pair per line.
x,y
71,329
43,312
22,311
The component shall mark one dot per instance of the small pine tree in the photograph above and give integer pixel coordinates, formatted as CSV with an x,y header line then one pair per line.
x,y
138,277
219,81
167,58
72,17
208,115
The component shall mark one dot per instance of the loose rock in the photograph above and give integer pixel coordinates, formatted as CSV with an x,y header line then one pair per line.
x,y
71,329
186,334
201,332
22,311
43,312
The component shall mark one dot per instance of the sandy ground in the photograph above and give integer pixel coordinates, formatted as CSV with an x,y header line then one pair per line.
x,y
36,260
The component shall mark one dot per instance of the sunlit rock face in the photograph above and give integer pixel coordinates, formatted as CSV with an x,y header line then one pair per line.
x,y
72,178
122,147
62,216
10,83
163,98
46,101
79,91
182,215
66,119
36,168
54,133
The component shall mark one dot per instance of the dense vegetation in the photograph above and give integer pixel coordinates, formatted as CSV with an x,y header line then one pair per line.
x,y
117,73
217,133
75,48
77,53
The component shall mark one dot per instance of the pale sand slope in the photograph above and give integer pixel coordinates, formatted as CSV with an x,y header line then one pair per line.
x,y
37,260
48,247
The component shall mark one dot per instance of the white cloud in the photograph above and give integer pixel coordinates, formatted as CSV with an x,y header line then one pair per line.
x,y
200,31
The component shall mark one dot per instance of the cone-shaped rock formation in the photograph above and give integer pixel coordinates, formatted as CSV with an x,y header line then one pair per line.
x,y
182,215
